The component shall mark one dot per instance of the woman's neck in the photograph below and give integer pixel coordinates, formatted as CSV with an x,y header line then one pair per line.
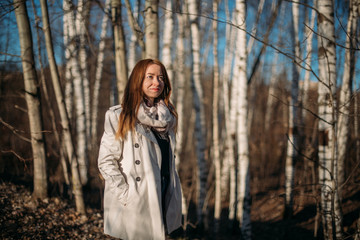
x,y
149,101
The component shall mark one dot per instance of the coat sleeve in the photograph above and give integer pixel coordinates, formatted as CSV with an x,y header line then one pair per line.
x,y
110,154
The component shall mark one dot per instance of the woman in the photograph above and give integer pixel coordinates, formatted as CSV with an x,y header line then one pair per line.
x,y
142,197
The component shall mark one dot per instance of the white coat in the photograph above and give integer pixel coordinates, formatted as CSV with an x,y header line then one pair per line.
x,y
132,196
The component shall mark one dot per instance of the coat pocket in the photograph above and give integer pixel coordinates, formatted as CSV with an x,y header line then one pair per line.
x,y
119,188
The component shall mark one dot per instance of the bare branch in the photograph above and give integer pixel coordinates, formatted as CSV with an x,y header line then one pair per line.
x,y
9,54
14,130
17,155
307,109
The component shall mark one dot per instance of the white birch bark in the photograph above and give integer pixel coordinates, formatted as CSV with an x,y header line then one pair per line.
x,y
231,137
64,119
137,33
151,29
68,82
327,123
167,41
199,109
180,80
253,32
243,187
47,98
133,39
80,23
346,92
215,116
32,97
98,73
309,40
229,142
120,52
271,94
292,144
81,147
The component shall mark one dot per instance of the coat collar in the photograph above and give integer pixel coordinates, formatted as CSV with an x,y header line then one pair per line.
x,y
146,132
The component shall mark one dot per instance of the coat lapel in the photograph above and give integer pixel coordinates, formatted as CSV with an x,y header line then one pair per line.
x,y
146,132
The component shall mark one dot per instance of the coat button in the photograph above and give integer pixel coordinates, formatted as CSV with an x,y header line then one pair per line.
x,y
138,179
137,162
136,145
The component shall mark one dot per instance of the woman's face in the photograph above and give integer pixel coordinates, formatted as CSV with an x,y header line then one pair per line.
x,y
153,83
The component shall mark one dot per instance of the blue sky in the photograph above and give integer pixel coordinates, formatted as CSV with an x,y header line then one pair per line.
x,y
10,43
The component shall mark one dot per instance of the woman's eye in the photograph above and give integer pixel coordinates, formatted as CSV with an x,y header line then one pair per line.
x,y
149,77
161,78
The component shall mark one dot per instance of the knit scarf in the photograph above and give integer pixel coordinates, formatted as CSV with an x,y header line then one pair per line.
x,y
158,116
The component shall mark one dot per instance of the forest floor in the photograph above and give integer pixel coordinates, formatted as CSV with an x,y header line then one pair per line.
x,y
22,217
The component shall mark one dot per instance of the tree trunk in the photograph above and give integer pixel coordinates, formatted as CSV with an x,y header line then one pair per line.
x,y
243,181
167,41
65,124
229,143
69,88
151,29
48,101
137,34
98,73
330,205
253,32
134,36
231,138
83,9
81,143
215,116
346,92
309,41
271,95
32,97
199,109
180,80
293,138
120,51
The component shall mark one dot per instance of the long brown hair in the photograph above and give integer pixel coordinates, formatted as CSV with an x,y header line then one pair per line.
x,y
134,95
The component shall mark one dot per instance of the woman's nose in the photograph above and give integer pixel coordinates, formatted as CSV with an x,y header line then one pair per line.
x,y
156,81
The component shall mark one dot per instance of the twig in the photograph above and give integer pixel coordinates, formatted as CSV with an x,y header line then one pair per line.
x,y
307,109
14,130
9,54
17,155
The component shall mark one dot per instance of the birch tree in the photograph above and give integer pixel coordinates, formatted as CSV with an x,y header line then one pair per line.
x,y
47,98
199,109
83,9
293,138
345,93
134,37
73,61
120,48
309,41
229,141
69,90
167,40
64,119
215,116
243,189
231,137
32,97
330,206
180,90
151,29
99,71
